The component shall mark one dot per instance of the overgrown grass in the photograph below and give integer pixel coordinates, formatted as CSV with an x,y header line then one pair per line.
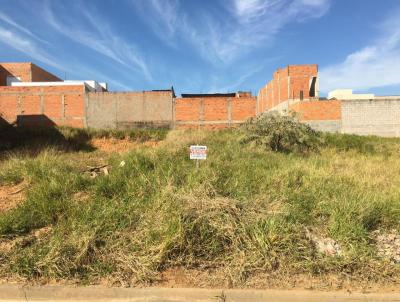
x,y
363,144
67,138
244,211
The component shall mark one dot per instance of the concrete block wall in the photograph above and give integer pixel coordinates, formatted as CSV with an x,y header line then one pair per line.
x,y
213,112
129,109
379,116
44,106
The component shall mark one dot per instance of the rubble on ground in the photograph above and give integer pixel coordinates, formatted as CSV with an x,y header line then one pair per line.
x,y
95,171
388,245
325,245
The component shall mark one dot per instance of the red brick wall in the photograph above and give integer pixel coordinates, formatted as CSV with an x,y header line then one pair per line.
x,y
58,105
300,76
41,75
213,112
28,72
243,108
286,84
216,109
187,109
22,70
318,110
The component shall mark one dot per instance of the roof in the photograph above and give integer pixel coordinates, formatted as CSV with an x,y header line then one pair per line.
x,y
207,95
172,90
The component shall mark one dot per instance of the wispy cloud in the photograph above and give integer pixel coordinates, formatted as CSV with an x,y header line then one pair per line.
x,y
27,46
100,38
167,12
20,38
10,21
233,86
375,65
242,76
92,73
240,26
258,22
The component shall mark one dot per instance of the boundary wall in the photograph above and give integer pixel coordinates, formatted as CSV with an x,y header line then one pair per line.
x,y
320,115
129,109
76,107
43,106
380,116
213,112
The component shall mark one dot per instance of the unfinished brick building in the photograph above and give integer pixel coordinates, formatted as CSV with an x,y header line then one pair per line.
x,y
24,72
31,96
295,89
292,83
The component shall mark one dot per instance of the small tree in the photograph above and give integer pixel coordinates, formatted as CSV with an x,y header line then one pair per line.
x,y
281,134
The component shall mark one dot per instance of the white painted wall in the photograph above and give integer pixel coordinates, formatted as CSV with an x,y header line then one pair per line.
x,y
93,86
347,94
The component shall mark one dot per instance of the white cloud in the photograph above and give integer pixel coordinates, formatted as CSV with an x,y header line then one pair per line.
x,y
225,35
166,10
375,65
10,21
100,38
164,17
26,46
32,50
233,86
92,73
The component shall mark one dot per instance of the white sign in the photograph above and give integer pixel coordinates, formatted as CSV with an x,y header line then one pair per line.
x,y
198,152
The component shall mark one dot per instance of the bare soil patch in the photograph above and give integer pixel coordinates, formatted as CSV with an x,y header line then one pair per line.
x,y
215,278
11,196
7,244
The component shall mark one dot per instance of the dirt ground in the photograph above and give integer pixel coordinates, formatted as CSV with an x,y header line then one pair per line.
x,y
194,278
215,279
11,196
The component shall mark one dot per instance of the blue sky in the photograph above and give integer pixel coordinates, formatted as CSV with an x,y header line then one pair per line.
x,y
202,46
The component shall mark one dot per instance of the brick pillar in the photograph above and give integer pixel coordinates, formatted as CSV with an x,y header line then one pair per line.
x,y
41,104
173,100
19,105
85,116
201,111
63,108
229,110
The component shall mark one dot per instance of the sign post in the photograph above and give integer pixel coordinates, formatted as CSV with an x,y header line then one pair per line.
x,y
198,153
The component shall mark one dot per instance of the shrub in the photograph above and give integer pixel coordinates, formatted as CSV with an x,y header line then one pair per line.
x,y
281,134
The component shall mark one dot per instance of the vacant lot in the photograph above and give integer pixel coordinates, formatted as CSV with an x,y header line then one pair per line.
x,y
130,208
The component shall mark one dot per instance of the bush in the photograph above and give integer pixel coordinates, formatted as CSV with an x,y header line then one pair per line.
x,y
281,134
